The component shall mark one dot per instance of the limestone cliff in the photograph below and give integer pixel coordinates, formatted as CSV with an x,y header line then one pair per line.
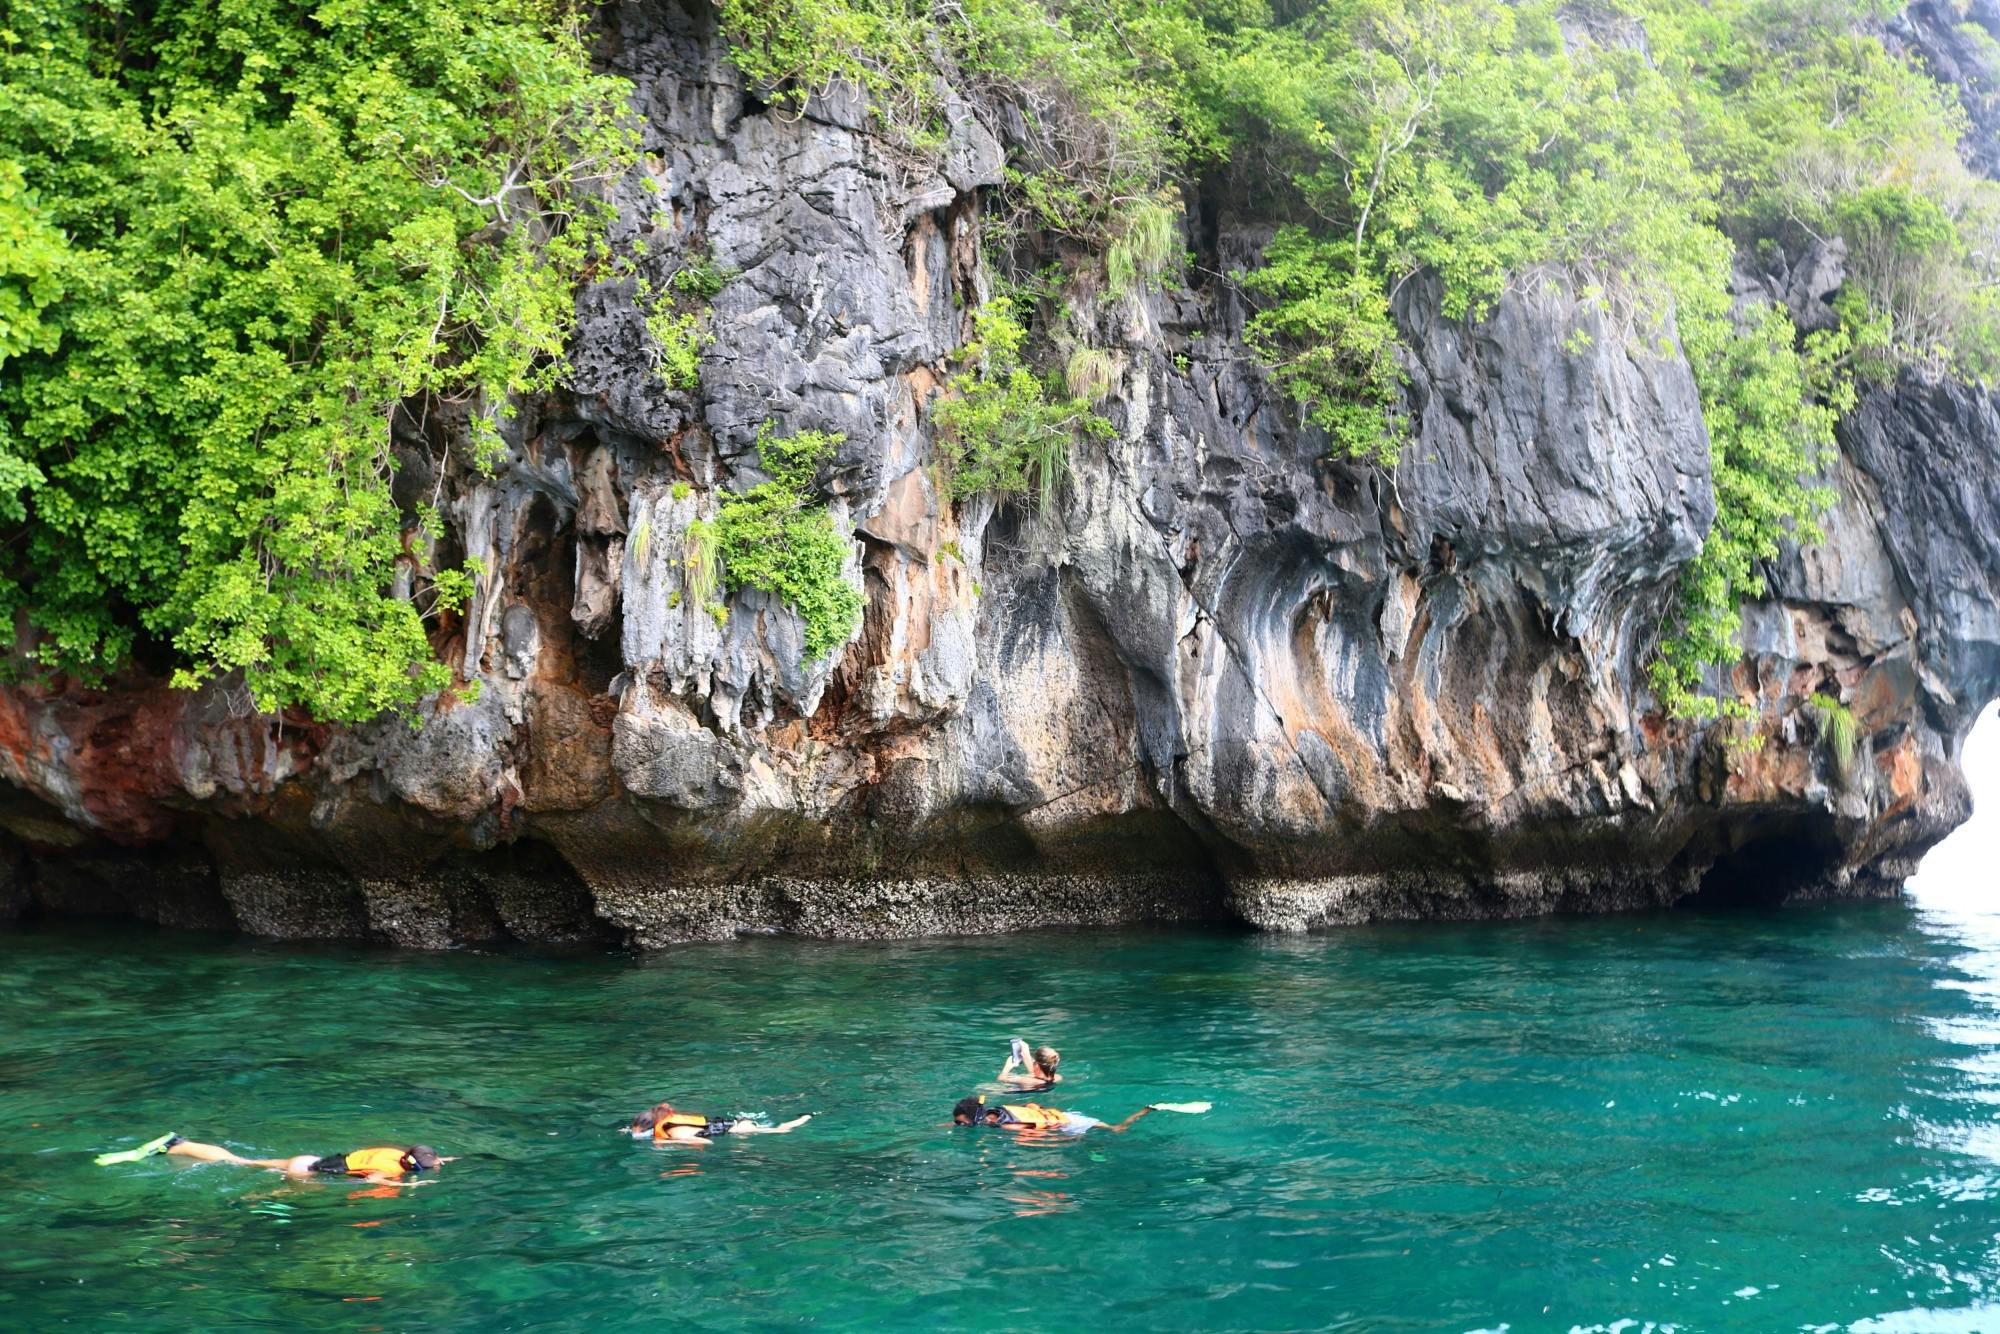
x,y
1222,678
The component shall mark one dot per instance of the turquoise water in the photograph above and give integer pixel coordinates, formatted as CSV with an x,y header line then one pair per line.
x,y
1766,1122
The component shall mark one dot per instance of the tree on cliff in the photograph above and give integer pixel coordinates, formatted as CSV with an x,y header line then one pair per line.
x,y
239,241
248,252
1610,158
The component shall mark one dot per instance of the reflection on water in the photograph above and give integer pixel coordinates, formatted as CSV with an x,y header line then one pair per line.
x,y
1956,909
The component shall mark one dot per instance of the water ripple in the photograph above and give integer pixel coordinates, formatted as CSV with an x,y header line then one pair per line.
x,y
1768,1121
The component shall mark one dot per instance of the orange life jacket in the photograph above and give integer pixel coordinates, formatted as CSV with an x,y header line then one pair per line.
x,y
665,1124
1032,1115
375,1162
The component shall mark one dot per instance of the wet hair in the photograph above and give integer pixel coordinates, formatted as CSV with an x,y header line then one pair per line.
x,y
970,1109
1048,1058
424,1156
644,1122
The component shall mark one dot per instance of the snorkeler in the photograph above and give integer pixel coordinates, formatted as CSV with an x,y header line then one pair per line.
x,y
381,1166
1038,1069
1034,1116
662,1124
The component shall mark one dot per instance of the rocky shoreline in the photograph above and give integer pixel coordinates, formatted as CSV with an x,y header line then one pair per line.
x,y
1222,679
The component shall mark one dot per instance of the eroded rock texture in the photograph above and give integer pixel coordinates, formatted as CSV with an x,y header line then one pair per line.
x,y
1222,678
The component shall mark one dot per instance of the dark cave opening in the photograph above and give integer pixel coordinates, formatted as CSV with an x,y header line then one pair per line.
x,y
1777,861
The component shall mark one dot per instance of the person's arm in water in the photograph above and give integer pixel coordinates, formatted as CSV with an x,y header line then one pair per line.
x,y
1126,1124
377,1179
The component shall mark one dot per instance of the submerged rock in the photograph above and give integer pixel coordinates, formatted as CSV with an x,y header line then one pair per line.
x,y
1220,678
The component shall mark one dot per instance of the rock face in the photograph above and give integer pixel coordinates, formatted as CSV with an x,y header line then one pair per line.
x,y
1955,38
1221,678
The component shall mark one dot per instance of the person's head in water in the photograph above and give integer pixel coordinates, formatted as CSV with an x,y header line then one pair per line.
x,y
420,1158
1046,1061
973,1111
644,1122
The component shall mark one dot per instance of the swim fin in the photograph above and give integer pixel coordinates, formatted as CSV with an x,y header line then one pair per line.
x,y
146,1150
1191,1108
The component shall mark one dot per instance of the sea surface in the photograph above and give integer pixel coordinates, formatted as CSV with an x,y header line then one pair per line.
x,y
1765,1121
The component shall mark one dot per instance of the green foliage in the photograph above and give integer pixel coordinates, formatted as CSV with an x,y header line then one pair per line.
x,y
1771,411
999,426
1100,123
1811,128
1480,141
1148,235
1330,342
699,279
1841,733
453,588
274,228
1607,159
677,318
775,538
1814,128
1463,138
677,340
31,260
1102,109
233,239
798,48
701,559
1090,374
1468,141
1915,301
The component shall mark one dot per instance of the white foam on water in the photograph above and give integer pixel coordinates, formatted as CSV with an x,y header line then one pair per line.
x,y
1924,1320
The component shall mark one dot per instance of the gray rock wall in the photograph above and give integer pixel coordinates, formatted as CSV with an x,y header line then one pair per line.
x,y
1221,678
